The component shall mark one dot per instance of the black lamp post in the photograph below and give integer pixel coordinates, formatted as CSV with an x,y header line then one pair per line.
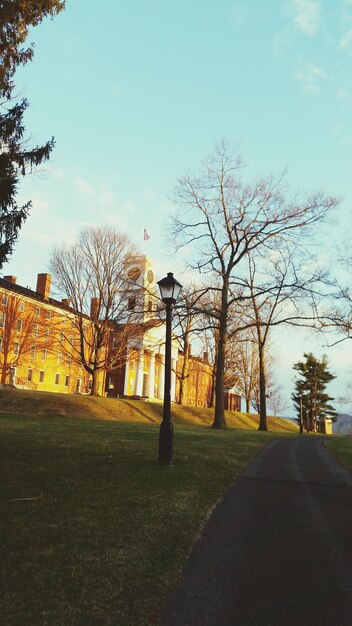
x,y
169,290
301,415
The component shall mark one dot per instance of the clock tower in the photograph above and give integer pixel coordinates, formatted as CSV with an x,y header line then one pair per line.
x,y
142,289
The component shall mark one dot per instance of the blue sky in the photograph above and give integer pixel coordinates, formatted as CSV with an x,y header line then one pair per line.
x,y
135,92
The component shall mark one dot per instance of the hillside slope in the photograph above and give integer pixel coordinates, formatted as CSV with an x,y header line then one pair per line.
x,y
34,403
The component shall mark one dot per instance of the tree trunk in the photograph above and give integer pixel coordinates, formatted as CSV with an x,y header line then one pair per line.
x,y
213,380
95,383
3,373
262,390
219,416
212,390
184,371
248,404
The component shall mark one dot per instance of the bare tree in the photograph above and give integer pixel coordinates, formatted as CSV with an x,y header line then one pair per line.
x,y
222,219
337,321
242,363
185,318
276,400
94,275
283,287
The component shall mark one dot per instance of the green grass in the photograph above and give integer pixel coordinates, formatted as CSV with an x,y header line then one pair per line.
x,y
107,539
341,447
34,403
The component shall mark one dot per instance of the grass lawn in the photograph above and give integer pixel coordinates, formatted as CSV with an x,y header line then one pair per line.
x,y
35,404
341,447
107,539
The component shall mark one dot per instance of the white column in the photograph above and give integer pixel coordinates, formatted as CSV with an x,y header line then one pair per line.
x,y
173,379
151,375
161,379
139,374
127,371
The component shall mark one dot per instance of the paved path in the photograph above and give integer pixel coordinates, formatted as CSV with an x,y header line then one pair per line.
x,y
277,551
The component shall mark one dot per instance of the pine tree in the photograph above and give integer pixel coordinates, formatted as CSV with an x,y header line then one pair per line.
x,y
16,157
310,395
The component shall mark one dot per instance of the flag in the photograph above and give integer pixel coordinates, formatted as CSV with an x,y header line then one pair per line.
x,y
146,235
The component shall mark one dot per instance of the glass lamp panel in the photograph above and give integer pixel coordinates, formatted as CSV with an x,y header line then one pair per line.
x,y
177,289
166,291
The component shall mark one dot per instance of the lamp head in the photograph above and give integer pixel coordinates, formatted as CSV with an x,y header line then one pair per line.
x,y
169,288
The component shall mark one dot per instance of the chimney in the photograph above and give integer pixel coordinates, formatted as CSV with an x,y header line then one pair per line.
x,y
11,279
205,357
66,301
43,285
94,307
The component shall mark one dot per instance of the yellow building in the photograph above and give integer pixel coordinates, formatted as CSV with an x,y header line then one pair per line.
x,y
40,343
38,339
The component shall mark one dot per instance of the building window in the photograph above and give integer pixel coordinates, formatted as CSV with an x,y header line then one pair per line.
x,y
57,379
46,333
35,330
37,311
59,358
48,315
30,375
21,307
19,326
16,348
44,353
4,299
32,352
41,376
67,381
2,320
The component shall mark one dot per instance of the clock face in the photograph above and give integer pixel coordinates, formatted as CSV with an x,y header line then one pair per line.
x,y
134,273
150,276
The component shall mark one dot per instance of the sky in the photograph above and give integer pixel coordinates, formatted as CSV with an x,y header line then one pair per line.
x,y
137,92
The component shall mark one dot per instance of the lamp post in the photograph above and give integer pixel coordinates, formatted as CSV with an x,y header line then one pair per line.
x,y
169,290
301,415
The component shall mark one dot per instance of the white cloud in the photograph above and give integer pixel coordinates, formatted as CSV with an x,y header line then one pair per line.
x,y
120,95
342,94
309,77
84,186
345,96
97,195
57,172
346,40
340,135
241,13
281,42
306,15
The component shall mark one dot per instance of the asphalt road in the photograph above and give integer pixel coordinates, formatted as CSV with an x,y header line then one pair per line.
x,y
277,550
